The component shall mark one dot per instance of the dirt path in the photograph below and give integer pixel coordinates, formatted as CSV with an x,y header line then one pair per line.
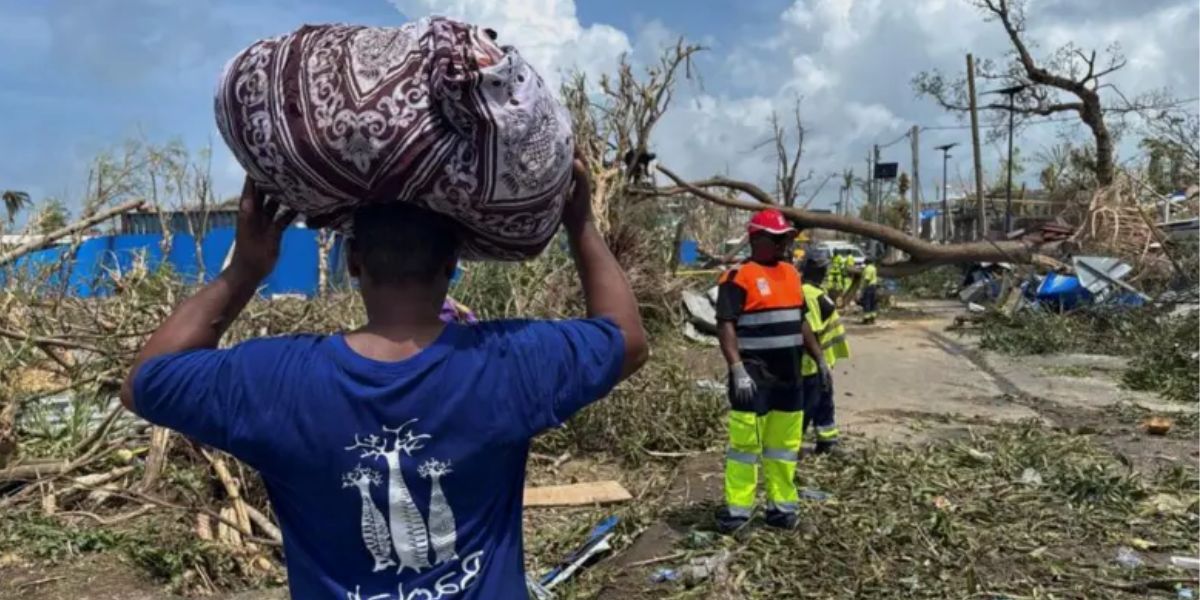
x,y
909,380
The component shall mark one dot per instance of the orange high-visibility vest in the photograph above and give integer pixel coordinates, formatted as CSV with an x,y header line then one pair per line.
x,y
771,317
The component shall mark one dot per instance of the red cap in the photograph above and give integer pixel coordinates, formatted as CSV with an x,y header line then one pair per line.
x,y
771,221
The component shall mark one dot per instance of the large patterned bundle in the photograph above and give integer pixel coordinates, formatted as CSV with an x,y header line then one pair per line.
x,y
434,113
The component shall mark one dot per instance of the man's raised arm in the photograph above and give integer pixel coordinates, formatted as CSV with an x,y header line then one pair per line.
x,y
199,321
605,287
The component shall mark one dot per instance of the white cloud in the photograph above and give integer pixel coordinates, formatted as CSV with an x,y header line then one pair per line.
x,y
850,61
810,77
868,119
546,32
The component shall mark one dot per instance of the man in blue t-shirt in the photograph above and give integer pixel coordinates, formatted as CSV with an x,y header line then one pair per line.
x,y
394,455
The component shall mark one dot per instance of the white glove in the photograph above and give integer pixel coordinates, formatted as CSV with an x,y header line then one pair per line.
x,y
743,385
826,375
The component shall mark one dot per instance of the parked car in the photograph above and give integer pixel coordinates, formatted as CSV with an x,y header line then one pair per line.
x,y
837,248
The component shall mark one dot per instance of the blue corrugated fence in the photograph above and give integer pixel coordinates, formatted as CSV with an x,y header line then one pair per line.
x,y
88,272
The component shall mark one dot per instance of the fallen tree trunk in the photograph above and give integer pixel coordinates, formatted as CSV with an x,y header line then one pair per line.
x,y
923,254
48,240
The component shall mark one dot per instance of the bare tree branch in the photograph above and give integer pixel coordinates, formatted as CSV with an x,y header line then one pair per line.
x,y
48,240
1044,88
922,252
1043,111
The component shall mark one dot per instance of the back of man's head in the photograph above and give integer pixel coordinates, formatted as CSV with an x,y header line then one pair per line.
x,y
399,243
814,270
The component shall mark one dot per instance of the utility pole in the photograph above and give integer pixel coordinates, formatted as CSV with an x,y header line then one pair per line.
x,y
945,148
878,196
916,181
870,177
981,226
1011,92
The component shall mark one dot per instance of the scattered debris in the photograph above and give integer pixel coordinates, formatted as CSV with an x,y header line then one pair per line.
x,y
577,494
1031,477
1163,504
1157,425
816,495
692,333
702,312
1186,562
664,575
709,567
1098,274
1128,558
598,542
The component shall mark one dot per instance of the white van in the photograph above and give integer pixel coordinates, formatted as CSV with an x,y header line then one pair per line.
x,y
838,248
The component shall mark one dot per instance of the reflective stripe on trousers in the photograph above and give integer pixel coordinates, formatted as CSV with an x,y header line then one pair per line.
x,y
772,440
827,433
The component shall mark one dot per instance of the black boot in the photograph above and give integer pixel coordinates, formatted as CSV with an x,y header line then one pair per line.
x,y
728,523
781,520
829,448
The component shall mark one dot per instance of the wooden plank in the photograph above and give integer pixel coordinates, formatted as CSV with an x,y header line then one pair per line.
x,y
577,494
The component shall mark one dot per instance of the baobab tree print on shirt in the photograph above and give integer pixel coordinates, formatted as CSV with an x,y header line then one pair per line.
x,y
410,539
375,532
441,517
404,530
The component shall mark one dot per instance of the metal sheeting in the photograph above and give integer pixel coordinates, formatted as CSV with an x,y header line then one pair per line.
x,y
89,271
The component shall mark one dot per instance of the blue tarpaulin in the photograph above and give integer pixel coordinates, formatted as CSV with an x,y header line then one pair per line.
x,y
689,252
1064,290
88,273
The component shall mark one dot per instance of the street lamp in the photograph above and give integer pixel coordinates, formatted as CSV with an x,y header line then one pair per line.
x,y
945,148
1011,92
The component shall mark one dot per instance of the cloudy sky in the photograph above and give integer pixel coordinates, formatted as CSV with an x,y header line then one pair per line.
x,y
78,76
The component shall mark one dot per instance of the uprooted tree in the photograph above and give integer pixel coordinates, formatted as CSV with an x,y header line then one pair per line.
x,y
613,131
1068,81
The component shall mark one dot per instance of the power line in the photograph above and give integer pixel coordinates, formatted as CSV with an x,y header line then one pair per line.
x,y
1055,120
1039,122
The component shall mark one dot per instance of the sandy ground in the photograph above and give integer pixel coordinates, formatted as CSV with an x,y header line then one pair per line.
x,y
908,380
904,370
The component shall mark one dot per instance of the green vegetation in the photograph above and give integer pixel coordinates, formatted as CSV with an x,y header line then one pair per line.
x,y
167,551
1161,347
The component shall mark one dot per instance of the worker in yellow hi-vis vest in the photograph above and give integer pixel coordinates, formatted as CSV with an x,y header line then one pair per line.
x,y
827,326
870,292
763,333
835,277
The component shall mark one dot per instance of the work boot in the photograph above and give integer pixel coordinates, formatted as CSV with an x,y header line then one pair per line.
x,y
781,520
829,449
728,524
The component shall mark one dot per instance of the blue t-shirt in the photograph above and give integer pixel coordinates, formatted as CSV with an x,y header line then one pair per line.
x,y
391,480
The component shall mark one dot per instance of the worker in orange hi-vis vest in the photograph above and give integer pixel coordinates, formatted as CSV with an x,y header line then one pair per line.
x,y
763,333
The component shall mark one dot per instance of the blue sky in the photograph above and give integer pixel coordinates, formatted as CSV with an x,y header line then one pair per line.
x,y
79,76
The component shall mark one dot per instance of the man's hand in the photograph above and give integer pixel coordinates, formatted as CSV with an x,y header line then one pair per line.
x,y
577,211
199,321
260,228
826,375
744,387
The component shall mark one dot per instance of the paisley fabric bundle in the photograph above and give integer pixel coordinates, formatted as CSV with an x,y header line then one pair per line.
x,y
433,112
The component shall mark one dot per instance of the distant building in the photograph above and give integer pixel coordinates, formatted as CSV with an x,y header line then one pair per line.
x,y
1031,209
179,221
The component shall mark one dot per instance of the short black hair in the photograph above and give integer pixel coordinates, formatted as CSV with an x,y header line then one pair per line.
x,y
815,269
400,243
